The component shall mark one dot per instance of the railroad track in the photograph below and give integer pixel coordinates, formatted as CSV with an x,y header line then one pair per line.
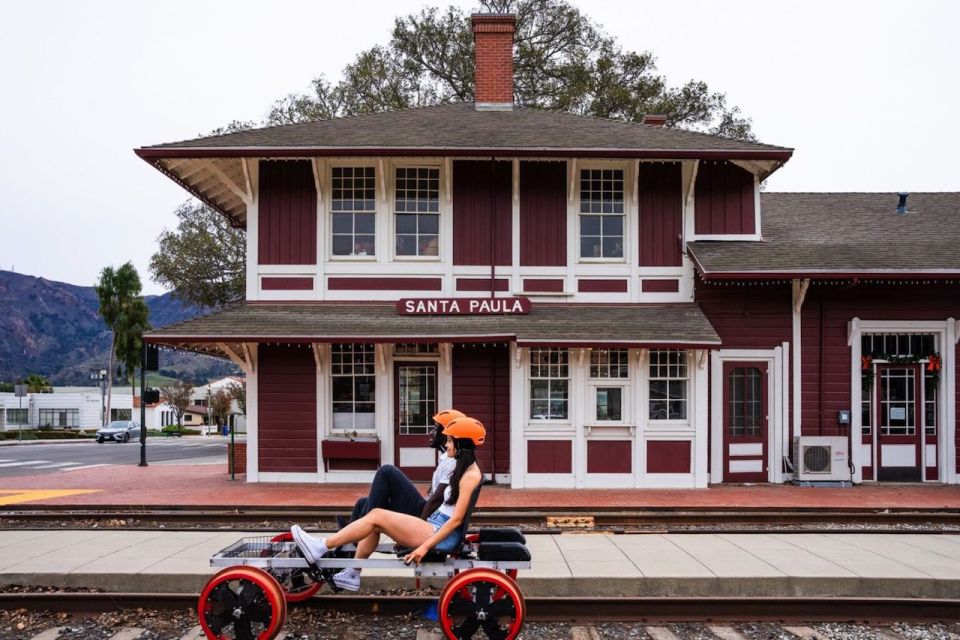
x,y
931,521
552,609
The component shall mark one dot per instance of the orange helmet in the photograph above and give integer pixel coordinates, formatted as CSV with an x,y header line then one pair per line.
x,y
445,417
466,429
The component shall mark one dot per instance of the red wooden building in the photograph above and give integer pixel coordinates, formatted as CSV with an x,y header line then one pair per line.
x,y
617,302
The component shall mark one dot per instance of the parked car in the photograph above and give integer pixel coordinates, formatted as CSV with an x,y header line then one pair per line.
x,y
119,431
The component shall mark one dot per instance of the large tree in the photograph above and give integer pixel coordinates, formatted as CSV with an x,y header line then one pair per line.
x,y
563,61
178,395
203,260
125,314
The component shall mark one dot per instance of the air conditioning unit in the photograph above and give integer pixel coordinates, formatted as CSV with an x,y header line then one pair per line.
x,y
821,458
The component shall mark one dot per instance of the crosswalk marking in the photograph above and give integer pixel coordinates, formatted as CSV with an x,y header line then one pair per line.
x,y
55,464
22,463
86,466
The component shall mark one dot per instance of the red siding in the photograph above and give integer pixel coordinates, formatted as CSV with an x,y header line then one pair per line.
x,y
543,214
549,456
287,214
542,284
384,284
482,284
287,395
826,355
481,389
602,286
661,214
749,316
660,286
286,284
482,212
668,456
609,456
724,199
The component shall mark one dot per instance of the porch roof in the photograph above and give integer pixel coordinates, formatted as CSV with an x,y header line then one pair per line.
x,y
647,325
842,235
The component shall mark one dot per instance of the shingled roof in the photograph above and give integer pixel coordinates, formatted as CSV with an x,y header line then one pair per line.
x,y
842,234
627,325
459,126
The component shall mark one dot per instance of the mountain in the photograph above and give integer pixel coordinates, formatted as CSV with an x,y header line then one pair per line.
x,y
52,328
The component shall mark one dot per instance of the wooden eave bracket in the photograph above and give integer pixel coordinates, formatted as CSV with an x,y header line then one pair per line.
x,y
693,182
760,168
852,327
239,356
573,179
702,363
317,356
800,294
244,193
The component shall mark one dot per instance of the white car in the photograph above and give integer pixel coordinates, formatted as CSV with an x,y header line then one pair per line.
x,y
119,431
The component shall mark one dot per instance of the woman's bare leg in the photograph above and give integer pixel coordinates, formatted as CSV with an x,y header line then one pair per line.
x,y
367,546
408,531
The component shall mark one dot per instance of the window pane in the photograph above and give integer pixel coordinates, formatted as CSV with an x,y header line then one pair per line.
x,y
429,224
612,248
612,225
590,225
609,405
406,223
343,223
589,247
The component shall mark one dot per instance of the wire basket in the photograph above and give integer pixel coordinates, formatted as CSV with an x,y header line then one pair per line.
x,y
260,547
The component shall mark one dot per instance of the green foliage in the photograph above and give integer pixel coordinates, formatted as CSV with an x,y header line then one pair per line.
x,y
220,405
27,434
563,61
60,434
177,395
125,313
37,384
7,387
203,260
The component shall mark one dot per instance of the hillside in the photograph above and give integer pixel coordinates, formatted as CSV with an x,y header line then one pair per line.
x,y
52,328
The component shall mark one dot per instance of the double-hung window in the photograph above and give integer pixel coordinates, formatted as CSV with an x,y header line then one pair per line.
x,y
353,370
353,204
601,213
549,383
417,211
17,416
668,384
59,417
609,374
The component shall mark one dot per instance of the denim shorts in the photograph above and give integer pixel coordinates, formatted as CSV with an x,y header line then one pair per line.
x,y
449,543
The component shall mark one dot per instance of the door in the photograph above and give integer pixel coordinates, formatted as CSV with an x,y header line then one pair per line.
x,y
745,422
415,391
898,419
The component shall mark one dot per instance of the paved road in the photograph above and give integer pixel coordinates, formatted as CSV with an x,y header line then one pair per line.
x,y
32,459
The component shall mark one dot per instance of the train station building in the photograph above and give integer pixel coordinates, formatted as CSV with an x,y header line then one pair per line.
x,y
621,304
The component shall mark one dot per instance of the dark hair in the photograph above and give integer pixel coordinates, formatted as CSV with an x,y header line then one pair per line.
x,y
466,457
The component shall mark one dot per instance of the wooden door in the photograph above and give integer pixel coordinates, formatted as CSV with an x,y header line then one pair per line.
x,y
898,422
746,421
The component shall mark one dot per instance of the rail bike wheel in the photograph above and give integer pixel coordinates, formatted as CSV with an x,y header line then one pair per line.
x,y
481,600
241,603
297,584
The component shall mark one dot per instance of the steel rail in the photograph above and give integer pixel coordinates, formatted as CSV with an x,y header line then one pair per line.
x,y
551,609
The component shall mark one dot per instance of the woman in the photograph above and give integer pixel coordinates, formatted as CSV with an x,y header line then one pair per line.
x,y
439,531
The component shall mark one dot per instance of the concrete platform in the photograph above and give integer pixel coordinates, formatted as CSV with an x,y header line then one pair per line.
x,y
779,565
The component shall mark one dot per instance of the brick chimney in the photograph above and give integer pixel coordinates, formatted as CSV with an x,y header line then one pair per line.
x,y
493,60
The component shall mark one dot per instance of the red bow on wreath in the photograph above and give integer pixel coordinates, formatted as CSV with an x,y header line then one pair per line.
x,y
866,362
934,363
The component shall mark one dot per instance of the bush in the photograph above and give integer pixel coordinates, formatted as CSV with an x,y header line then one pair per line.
x,y
58,435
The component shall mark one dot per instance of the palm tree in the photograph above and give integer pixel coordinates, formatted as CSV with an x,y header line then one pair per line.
x,y
36,383
125,313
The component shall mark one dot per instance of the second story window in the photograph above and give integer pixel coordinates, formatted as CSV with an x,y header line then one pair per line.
x,y
417,208
601,213
353,205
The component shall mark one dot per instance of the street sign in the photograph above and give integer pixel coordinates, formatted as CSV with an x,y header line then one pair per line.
x,y
20,391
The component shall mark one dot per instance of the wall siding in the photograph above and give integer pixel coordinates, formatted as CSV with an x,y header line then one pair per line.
x,y
482,212
474,367
668,456
287,213
287,430
660,201
748,316
724,199
609,456
543,214
549,456
826,312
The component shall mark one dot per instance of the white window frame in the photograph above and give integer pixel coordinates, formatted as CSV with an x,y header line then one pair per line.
x,y
528,411
625,384
649,379
334,430
377,211
391,208
26,415
627,207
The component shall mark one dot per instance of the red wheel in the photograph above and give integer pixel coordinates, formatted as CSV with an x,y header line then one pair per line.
x,y
481,599
297,584
241,603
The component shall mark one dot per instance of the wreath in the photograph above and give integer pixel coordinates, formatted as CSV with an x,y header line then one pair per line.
x,y
934,364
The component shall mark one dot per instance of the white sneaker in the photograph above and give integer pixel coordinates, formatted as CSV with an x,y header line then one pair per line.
x,y
348,579
311,547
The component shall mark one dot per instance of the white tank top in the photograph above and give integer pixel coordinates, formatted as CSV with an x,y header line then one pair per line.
x,y
444,508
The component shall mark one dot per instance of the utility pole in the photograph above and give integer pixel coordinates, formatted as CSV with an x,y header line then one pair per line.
x,y
143,405
20,390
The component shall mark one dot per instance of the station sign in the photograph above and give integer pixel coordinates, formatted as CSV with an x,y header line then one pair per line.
x,y
463,306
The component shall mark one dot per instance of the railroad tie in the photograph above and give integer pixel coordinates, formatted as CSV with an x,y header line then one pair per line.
x,y
660,633
725,633
584,633
49,634
806,633
196,633
128,633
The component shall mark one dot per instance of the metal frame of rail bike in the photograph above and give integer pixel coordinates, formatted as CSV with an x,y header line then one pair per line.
x,y
247,599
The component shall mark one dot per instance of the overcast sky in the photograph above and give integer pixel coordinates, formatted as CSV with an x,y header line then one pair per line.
x,y
866,92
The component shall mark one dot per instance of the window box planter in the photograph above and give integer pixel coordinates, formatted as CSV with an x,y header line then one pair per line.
x,y
351,454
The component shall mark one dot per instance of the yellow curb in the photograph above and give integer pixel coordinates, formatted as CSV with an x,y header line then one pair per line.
x,y
15,496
